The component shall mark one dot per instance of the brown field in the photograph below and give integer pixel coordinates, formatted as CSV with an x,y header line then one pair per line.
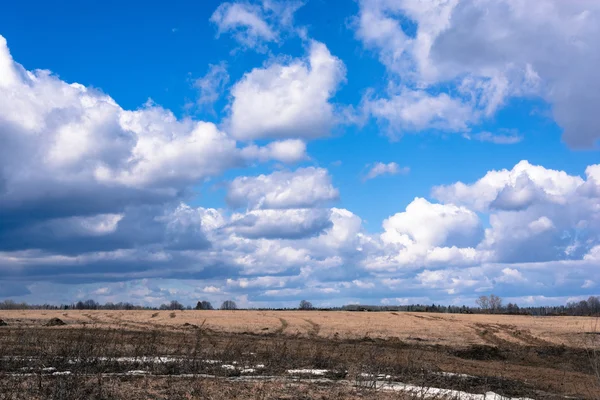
x,y
112,355
434,328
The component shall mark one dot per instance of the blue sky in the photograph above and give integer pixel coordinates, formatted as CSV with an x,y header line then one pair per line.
x,y
270,151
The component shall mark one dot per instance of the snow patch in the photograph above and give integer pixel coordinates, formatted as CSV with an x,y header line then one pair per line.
x,y
137,372
425,392
307,371
248,371
453,374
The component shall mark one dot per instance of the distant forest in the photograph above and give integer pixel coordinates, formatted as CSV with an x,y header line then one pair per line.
x,y
485,305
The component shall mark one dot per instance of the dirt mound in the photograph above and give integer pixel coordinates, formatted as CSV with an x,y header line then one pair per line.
x,y
481,352
55,322
2,323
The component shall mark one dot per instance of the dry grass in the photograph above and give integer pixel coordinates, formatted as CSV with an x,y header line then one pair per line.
x,y
174,388
91,347
445,329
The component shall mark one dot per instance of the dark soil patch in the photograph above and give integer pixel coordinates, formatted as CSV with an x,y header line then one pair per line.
x,y
551,350
481,352
55,322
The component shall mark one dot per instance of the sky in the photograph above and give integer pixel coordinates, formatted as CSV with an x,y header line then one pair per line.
x,y
267,151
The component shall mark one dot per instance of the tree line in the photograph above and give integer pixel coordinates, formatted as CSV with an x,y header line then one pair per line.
x,y
491,304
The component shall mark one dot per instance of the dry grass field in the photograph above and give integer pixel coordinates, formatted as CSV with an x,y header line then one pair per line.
x,y
434,328
295,355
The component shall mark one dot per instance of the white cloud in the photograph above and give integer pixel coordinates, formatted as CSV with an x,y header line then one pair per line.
x,y
380,168
495,138
212,85
511,275
92,192
280,224
588,284
100,224
303,188
253,25
287,100
409,111
426,234
489,51
511,190
363,285
288,151
343,237
593,254
211,289
244,19
536,214
260,282
58,135
433,225
85,182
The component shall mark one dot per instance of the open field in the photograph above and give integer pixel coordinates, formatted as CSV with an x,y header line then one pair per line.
x,y
294,355
434,328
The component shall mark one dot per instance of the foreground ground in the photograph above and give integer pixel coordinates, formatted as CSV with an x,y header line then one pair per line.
x,y
294,355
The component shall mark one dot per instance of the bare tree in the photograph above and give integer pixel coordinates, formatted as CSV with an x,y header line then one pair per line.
x,y
495,303
593,305
483,302
228,305
305,305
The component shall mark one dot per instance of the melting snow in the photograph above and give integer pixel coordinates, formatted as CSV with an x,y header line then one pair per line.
x,y
307,371
379,377
424,392
248,371
137,372
455,375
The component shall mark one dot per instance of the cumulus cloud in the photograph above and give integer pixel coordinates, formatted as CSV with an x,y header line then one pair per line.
x,y
515,188
536,214
427,234
255,24
433,225
287,100
61,138
287,151
380,168
79,174
489,51
303,188
95,195
409,111
280,224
